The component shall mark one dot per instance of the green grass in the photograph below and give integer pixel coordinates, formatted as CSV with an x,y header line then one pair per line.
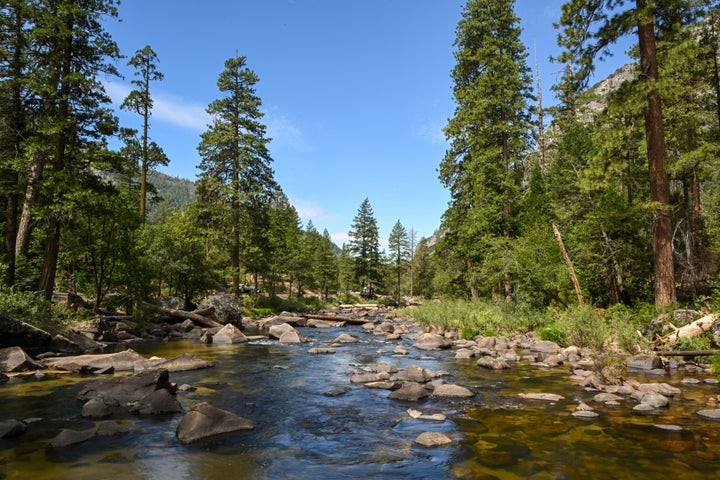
x,y
472,318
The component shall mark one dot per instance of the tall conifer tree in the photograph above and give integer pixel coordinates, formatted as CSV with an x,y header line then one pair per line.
x,y
235,166
488,135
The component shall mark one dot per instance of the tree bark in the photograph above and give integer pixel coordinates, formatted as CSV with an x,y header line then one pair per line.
x,y
659,185
24,228
569,265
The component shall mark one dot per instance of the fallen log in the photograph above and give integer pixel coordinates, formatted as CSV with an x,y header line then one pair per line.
x,y
335,318
694,329
346,306
688,353
202,317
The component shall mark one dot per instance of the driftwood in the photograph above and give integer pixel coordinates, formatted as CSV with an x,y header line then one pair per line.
x,y
694,329
335,318
205,317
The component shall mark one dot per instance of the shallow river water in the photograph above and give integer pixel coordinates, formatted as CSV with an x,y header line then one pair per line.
x,y
301,433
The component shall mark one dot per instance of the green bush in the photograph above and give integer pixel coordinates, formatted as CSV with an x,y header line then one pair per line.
x,y
715,362
583,327
554,334
32,308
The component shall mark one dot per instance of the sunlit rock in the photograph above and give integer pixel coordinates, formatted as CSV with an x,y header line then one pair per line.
x,y
433,439
204,420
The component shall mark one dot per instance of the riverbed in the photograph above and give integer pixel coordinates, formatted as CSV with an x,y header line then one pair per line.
x,y
312,422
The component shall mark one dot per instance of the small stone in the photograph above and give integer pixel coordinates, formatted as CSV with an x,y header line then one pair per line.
x,y
400,350
433,439
671,428
321,351
710,414
585,414
414,413
545,397
690,381
643,407
711,381
606,397
584,407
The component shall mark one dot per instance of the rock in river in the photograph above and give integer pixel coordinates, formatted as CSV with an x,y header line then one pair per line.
x,y
204,420
410,391
433,439
14,359
450,390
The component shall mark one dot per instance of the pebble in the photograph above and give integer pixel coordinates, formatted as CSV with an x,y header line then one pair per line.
x,y
690,380
585,414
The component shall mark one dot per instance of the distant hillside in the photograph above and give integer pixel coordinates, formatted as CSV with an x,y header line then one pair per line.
x,y
171,193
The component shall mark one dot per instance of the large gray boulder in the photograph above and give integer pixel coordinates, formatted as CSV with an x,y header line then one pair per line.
x,y
410,391
126,391
12,428
229,334
432,341
14,359
414,373
226,307
15,333
204,420
158,402
644,362
74,343
450,390
68,437
183,362
127,360
276,331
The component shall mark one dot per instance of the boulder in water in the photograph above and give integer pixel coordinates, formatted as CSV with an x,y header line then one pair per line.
x,y
14,359
204,420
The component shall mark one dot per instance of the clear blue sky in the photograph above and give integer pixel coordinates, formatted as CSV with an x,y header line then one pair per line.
x,y
355,93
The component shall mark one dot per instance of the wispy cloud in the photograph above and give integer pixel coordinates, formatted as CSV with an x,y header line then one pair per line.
x,y
284,132
309,211
432,132
166,108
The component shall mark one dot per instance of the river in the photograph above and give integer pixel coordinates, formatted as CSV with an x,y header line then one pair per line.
x,y
302,433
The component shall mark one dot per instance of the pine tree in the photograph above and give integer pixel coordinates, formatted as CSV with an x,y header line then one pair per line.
x,y
488,137
399,245
365,249
140,102
235,167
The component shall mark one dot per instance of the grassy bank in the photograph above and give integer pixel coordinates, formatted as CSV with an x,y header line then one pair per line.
x,y
579,325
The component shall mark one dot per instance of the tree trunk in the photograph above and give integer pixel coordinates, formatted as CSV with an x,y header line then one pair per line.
x,y
568,263
24,230
659,185
52,248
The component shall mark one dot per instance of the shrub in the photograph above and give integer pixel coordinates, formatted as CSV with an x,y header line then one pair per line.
x,y
554,334
583,327
32,308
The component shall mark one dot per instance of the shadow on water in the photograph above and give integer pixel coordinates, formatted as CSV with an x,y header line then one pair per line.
x,y
302,433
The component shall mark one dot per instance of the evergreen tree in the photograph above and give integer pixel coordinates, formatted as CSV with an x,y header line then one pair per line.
x,y
399,245
488,137
589,28
235,168
365,249
326,268
139,101
71,124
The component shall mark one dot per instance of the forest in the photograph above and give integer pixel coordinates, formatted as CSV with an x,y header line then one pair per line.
x,y
611,197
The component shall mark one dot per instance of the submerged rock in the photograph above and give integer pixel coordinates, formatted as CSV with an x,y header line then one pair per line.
x,y
545,397
12,428
69,437
450,390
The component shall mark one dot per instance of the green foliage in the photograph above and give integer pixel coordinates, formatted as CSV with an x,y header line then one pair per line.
x,y
715,363
583,327
553,333
347,298
32,308
263,304
476,317
701,342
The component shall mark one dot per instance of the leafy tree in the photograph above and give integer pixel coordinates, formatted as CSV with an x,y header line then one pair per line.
x,y
139,101
235,167
488,136
399,244
365,248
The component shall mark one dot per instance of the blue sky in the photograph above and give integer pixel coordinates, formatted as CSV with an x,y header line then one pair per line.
x,y
355,93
